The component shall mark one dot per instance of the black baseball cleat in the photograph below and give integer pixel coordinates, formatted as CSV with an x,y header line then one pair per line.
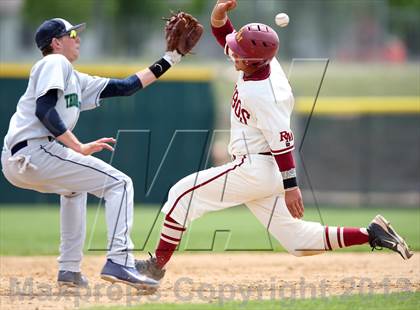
x,y
382,235
150,268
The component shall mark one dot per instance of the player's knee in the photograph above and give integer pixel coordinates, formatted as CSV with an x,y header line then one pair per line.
x,y
128,186
125,183
124,180
173,192
292,249
128,182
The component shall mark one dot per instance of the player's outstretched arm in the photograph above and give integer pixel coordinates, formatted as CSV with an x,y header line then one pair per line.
x,y
155,71
182,33
141,79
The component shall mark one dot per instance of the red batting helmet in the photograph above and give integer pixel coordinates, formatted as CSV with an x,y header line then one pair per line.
x,y
256,43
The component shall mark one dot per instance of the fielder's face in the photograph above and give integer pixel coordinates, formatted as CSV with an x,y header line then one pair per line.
x,y
70,45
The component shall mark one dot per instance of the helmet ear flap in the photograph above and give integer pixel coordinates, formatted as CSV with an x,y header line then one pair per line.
x,y
226,50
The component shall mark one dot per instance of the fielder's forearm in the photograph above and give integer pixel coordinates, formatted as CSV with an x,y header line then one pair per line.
x,y
146,77
149,75
70,140
121,87
141,79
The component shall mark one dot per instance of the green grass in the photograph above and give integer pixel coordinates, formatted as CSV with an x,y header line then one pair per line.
x,y
27,230
401,301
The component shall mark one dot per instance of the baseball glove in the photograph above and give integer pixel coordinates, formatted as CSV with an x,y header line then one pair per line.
x,y
182,32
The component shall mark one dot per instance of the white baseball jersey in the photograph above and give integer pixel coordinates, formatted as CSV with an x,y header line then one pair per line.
x,y
260,121
76,92
260,116
47,167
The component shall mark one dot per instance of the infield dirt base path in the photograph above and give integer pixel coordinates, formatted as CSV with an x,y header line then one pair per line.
x,y
29,282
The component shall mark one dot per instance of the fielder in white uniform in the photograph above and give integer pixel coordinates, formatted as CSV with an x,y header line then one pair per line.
x,y
41,153
262,174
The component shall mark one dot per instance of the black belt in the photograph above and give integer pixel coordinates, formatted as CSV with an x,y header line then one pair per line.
x,y
263,153
20,145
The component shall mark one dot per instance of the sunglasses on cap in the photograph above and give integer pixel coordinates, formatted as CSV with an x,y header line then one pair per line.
x,y
72,34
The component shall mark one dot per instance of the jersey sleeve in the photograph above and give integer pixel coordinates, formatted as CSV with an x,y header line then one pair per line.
x,y
221,32
274,123
91,88
52,73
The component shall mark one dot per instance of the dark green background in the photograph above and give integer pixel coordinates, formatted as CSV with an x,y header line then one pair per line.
x,y
170,125
156,112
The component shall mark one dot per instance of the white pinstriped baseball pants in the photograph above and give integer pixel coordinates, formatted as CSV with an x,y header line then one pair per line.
x,y
255,181
62,171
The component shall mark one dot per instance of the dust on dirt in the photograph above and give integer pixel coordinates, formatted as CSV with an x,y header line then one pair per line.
x,y
29,282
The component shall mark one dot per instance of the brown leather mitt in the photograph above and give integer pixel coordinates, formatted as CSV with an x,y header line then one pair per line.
x,y
183,31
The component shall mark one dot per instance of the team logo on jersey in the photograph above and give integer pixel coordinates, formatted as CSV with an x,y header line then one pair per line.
x,y
286,136
241,113
72,100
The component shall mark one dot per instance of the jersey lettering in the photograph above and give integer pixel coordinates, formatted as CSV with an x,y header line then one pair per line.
x,y
241,113
286,136
244,116
72,100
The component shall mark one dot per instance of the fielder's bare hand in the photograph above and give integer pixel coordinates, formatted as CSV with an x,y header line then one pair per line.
x,y
71,141
294,202
96,146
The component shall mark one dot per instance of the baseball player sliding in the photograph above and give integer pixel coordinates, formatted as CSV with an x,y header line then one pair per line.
x,y
262,174
41,153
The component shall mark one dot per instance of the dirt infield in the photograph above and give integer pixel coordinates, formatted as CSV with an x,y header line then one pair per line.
x,y
29,282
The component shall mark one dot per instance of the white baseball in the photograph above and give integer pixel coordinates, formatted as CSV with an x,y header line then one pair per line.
x,y
282,19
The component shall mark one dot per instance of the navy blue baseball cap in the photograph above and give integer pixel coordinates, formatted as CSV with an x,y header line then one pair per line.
x,y
54,28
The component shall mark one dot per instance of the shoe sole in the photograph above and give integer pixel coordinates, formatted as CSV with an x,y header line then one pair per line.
x,y
402,246
139,286
151,276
